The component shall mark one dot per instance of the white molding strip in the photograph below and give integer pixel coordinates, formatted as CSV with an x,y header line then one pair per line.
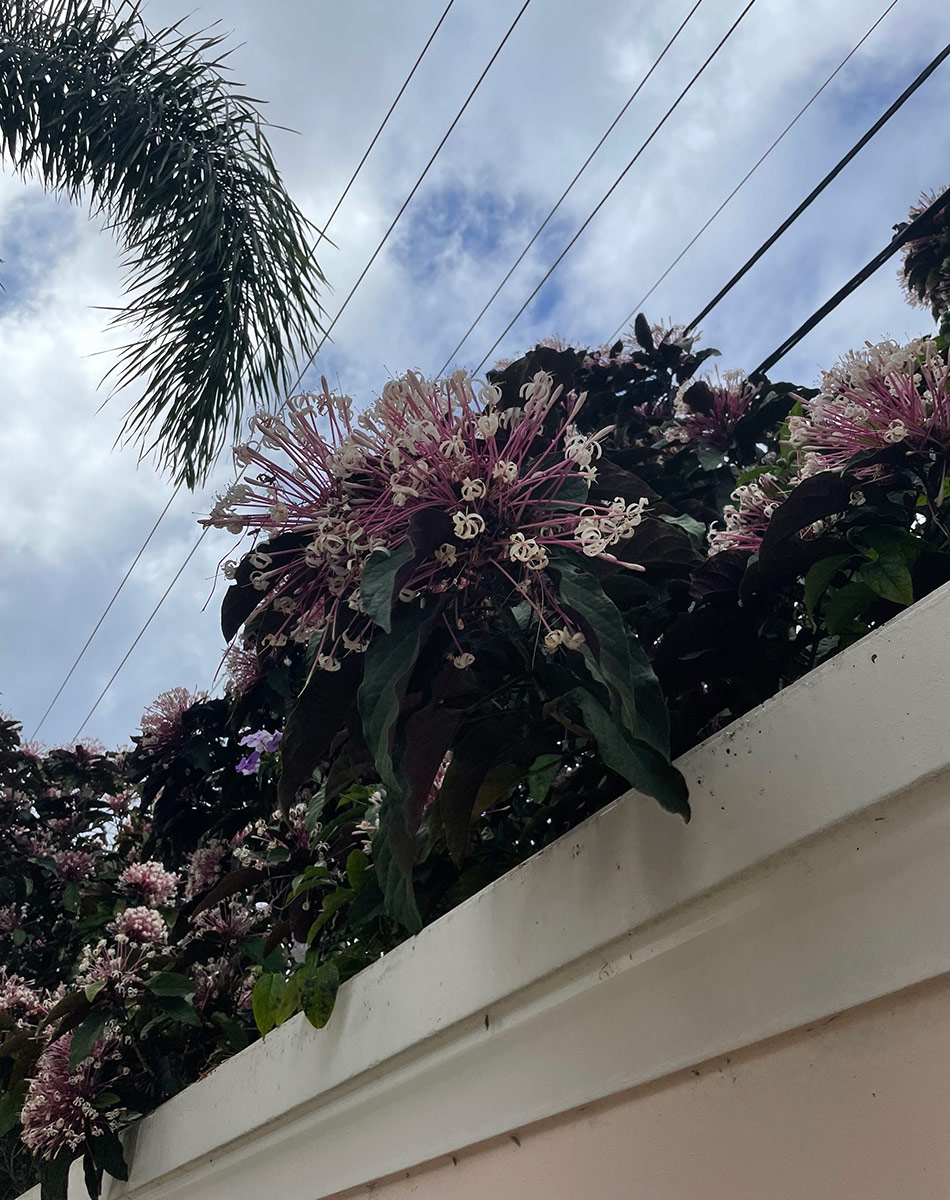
x,y
810,880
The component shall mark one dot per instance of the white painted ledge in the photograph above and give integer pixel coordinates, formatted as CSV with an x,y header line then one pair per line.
x,y
814,876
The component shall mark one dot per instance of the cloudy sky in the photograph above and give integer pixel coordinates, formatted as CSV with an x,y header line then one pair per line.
x,y
76,510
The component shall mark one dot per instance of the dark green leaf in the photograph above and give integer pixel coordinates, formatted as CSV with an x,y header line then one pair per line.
x,y
11,1102
845,605
169,983
695,529
178,1008
386,669
92,1174
331,904
357,867
889,577
395,879
378,583
54,1174
613,654
541,775
318,989
472,757
819,578
108,1154
639,763
313,724
265,999
86,1037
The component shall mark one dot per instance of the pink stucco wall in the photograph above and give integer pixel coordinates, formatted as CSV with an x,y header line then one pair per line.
x,y
856,1107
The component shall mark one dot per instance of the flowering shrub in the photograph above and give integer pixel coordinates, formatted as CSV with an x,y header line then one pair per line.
x,y
925,270
467,619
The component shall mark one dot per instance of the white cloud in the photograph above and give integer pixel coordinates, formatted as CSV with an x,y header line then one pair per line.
x,y
75,511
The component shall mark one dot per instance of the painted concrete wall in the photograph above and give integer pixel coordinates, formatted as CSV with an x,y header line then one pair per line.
x,y
854,1107
571,1001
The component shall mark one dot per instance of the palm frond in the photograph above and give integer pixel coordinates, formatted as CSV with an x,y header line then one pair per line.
x,y
220,285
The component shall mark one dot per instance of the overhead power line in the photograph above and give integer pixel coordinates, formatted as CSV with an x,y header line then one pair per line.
x,y
919,227
816,191
544,224
385,121
638,307
329,329
313,249
656,129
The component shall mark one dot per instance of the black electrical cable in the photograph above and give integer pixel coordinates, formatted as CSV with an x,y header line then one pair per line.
x,y
313,249
638,307
816,192
732,28
917,228
328,331
541,228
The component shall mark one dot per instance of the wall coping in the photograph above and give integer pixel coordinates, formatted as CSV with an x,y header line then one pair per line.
x,y
806,883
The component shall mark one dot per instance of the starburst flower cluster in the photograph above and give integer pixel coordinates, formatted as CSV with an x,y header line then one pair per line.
x,y
151,882
60,1111
141,925
503,488
162,720
884,395
20,1000
707,411
745,521
928,259
205,867
73,865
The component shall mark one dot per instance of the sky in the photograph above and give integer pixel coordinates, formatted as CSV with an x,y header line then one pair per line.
x,y
77,508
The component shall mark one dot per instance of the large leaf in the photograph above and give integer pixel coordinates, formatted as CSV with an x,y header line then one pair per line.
x,y
644,767
387,666
814,499
265,999
819,578
614,654
86,1037
54,1174
472,758
11,1102
107,1152
888,573
318,988
378,583
312,725
390,854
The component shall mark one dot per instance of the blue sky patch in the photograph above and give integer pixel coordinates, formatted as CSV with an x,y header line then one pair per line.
x,y
36,232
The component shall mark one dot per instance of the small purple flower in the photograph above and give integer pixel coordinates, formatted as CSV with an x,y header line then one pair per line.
x,y
249,765
263,741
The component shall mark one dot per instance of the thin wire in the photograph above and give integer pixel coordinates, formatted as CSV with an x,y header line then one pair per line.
x,y
369,148
139,635
813,195
615,184
321,235
564,194
106,611
327,332
417,185
915,229
638,307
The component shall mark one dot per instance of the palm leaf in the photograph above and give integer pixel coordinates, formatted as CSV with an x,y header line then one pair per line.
x,y
219,282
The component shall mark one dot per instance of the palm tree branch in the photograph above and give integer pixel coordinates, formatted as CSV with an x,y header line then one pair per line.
x,y
219,281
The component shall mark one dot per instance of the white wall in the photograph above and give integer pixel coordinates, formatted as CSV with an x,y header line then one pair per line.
x,y
814,877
